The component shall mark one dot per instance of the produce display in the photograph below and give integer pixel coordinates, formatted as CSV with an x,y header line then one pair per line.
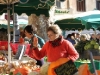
x,y
19,67
2,57
92,45
30,68
80,48
84,61
83,46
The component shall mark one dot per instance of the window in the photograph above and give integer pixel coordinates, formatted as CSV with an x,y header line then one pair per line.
x,y
81,5
58,4
98,4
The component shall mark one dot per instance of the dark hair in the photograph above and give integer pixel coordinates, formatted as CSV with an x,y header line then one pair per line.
x,y
29,29
68,36
73,34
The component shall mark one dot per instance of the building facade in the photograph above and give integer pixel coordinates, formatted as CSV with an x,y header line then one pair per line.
x,y
78,6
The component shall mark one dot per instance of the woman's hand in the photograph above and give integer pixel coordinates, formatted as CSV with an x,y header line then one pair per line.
x,y
35,42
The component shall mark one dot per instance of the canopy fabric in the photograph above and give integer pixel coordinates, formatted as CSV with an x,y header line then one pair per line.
x,y
11,26
5,26
90,19
76,24
94,25
35,7
70,24
86,20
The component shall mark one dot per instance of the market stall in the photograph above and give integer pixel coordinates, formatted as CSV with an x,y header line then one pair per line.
x,y
70,24
86,20
30,7
90,19
29,67
78,63
38,7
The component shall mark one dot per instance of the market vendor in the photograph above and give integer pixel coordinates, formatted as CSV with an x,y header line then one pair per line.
x,y
30,34
57,47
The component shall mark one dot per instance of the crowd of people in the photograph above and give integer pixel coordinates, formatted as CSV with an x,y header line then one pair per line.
x,y
79,41
74,38
57,46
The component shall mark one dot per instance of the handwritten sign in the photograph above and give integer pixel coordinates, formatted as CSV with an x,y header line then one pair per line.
x,y
67,68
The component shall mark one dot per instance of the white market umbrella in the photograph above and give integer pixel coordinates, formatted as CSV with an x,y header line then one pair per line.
x,y
3,21
20,21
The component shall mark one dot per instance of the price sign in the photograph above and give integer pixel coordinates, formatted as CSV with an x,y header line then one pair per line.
x,y
67,68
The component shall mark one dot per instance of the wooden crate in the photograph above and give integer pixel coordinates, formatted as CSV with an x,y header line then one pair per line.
x,y
96,57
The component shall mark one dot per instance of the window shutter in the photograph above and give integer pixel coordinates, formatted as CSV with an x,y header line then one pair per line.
x,y
81,5
98,4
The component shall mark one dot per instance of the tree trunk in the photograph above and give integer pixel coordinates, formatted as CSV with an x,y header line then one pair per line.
x,y
40,24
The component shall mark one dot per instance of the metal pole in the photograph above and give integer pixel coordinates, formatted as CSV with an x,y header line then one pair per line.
x,y
91,58
13,24
8,18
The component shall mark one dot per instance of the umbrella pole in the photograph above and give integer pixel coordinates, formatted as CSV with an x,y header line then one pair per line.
x,y
13,25
95,33
8,18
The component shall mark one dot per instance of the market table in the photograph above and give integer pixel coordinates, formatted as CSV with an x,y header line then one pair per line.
x,y
97,64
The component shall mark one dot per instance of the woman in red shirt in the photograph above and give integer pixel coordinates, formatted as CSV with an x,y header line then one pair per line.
x,y
57,47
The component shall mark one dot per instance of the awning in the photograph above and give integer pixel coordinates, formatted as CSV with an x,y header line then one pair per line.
x,y
90,19
5,26
70,24
32,6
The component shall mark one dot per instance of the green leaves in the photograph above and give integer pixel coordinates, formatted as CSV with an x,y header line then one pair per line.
x,y
11,73
18,73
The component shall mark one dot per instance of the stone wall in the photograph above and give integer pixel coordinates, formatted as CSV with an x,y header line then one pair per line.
x,y
90,5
